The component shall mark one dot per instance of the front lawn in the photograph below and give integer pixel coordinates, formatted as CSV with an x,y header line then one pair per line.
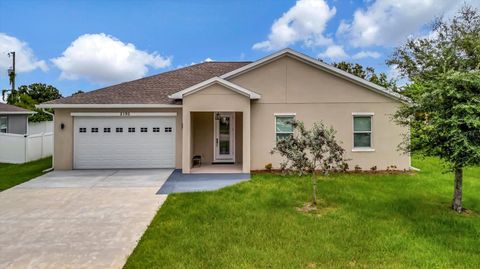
x,y
369,221
14,174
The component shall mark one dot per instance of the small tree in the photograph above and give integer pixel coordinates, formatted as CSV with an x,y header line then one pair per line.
x,y
307,151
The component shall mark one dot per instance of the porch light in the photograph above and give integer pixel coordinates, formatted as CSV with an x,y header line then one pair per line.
x,y
217,116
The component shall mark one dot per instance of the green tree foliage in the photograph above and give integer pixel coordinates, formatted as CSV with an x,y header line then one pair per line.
x,y
78,92
444,69
307,151
367,73
31,95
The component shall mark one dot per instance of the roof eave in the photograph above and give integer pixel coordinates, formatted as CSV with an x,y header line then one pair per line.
x,y
108,106
17,112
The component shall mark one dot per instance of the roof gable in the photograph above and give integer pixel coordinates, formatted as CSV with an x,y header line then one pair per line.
x,y
216,80
317,64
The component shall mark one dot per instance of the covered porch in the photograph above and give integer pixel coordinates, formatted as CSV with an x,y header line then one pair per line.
x,y
216,128
216,142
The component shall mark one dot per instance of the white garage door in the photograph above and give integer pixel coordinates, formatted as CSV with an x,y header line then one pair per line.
x,y
124,142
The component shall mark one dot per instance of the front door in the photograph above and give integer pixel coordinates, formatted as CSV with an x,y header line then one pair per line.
x,y
224,138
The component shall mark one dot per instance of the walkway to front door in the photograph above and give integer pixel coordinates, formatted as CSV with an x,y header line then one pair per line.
x,y
178,182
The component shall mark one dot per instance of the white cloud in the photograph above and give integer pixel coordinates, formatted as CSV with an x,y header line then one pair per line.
x,y
305,22
334,52
366,54
103,58
208,60
388,22
24,56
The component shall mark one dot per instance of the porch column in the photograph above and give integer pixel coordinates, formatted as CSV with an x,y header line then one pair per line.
x,y
246,140
187,141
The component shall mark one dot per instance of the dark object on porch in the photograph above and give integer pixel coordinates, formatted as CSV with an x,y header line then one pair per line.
x,y
178,182
197,159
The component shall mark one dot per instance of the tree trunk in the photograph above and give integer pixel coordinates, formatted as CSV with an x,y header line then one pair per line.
x,y
314,186
457,192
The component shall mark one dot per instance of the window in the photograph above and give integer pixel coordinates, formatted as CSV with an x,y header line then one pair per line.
x,y
82,130
3,124
106,130
362,131
143,129
168,129
119,130
283,126
94,130
131,129
156,129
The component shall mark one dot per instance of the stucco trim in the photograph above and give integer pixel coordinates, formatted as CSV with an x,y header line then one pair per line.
x,y
122,114
363,149
107,106
216,80
363,114
321,65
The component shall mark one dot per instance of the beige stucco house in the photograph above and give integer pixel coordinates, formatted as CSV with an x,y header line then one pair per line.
x,y
228,114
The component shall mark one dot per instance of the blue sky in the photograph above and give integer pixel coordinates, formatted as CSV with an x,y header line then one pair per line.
x,y
84,45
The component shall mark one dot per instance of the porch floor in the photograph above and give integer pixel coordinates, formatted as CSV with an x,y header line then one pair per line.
x,y
217,168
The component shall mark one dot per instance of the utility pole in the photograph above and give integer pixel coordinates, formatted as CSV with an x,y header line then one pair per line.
x,y
11,71
11,75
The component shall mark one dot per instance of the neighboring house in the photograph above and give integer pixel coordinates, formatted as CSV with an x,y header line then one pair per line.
x,y
19,140
225,112
13,119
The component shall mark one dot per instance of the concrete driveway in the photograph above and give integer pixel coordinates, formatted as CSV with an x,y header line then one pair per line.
x,y
78,219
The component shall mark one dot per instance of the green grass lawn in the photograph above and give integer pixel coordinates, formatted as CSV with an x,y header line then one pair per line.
x,y
14,174
369,221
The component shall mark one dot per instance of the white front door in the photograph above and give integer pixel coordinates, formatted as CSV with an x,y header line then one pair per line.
x,y
224,136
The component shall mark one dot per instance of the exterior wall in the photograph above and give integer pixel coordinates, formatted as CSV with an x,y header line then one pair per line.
x,y
203,132
16,124
215,98
63,139
238,137
288,85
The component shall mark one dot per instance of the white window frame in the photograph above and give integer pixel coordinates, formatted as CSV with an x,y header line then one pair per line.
x,y
362,114
280,115
6,124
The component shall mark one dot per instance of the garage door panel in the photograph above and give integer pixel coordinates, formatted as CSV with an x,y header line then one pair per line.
x,y
114,149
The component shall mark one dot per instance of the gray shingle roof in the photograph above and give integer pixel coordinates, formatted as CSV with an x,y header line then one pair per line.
x,y
6,109
154,89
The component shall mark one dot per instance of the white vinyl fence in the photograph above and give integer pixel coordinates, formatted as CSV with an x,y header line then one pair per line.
x,y
40,127
16,148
